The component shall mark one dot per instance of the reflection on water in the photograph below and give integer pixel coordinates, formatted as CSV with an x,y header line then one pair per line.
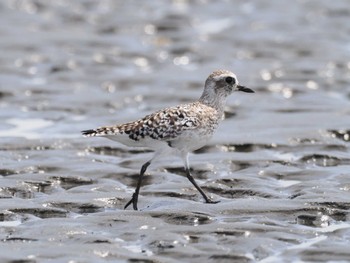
x,y
278,164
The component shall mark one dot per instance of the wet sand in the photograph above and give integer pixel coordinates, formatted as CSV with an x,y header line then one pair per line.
x,y
279,163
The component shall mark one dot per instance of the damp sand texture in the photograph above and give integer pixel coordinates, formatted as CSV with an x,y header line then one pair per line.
x,y
278,163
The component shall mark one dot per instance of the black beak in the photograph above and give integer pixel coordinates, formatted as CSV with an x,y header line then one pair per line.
x,y
245,89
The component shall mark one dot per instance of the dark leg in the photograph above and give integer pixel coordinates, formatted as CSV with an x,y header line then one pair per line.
x,y
135,195
207,199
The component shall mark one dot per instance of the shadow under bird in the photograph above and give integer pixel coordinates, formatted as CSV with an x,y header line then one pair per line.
x,y
177,130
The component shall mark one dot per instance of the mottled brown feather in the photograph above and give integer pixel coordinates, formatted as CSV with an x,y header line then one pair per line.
x,y
165,124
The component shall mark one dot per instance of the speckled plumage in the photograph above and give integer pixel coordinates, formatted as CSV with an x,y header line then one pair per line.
x,y
178,129
166,125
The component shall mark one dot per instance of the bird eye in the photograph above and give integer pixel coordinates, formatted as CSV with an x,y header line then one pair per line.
x,y
230,80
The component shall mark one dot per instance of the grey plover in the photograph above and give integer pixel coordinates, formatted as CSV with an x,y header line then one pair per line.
x,y
180,129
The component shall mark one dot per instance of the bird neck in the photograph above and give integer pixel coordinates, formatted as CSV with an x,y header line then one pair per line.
x,y
216,102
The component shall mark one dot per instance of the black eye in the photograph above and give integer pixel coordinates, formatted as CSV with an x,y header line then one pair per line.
x,y
230,80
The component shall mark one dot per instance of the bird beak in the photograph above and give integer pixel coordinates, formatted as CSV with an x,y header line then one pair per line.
x,y
245,89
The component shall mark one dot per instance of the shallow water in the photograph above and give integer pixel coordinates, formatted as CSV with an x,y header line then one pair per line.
x,y
279,163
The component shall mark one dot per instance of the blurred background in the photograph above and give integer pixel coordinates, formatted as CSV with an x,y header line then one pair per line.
x,y
279,162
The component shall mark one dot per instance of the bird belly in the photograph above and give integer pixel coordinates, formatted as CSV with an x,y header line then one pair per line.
x,y
190,142
146,142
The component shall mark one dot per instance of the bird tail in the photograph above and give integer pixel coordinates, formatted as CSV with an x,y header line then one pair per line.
x,y
102,131
90,133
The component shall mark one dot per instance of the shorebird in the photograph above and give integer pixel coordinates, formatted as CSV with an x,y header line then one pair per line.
x,y
179,129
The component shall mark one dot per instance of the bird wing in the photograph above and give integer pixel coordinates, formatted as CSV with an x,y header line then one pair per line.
x,y
163,125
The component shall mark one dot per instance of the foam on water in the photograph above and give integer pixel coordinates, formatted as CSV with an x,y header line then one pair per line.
x,y
26,128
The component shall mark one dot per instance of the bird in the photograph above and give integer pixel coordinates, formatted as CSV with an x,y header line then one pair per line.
x,y
176,130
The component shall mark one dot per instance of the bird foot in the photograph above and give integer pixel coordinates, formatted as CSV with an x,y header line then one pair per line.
x,y
209,201
133,200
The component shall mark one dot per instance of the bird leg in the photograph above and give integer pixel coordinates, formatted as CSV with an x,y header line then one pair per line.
x,y
190,177
135,195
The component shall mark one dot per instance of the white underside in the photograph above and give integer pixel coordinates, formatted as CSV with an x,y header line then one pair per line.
x,y
186,142
160,148
144,143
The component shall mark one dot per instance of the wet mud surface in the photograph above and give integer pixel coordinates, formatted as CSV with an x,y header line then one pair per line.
x,y
279,163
